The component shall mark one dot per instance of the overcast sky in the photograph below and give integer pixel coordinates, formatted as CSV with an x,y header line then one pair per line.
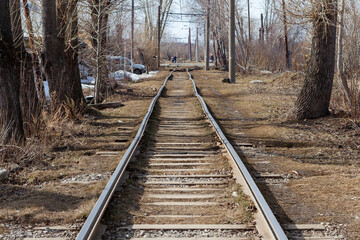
x,y
180,30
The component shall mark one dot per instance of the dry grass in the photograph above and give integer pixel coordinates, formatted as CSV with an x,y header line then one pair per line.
x,y
324,152
64,149
128,204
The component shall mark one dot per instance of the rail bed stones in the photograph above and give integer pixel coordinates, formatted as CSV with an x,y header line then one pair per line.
x,y
186,181
180,185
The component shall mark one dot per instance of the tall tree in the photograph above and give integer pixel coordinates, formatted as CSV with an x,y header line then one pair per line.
x,y
99,25
28,95
10,112
68,17
35,55
339,56
64,82
314,98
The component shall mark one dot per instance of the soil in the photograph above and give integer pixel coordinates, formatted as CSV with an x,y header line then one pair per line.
x,y
130,205
62,184
319,159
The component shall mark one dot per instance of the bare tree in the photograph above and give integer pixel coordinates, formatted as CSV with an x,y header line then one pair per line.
x,y
314,98
10,112
147,46
339,58
59,61
28,95
100,10
34,53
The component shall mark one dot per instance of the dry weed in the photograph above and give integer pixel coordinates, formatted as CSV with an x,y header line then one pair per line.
x,y
50,130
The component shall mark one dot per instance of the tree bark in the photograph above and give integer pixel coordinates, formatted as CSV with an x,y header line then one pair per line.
x,y
339,61
99,18
314,98
58,62
35,56
10,111
70,38
28,95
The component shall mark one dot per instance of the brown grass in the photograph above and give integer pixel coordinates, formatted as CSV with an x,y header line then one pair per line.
x,y
63,149
323,152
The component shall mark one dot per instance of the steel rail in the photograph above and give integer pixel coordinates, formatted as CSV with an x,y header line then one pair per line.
x,y
260,202
88,230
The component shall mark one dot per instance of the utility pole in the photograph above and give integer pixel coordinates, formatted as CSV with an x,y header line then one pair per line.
x,y
97,79
132,36
249,24
189,45
207,30
197,45
204,48
158,36
262,30
232,41
287,52
124,61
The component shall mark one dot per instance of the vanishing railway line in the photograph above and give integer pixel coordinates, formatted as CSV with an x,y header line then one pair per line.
x,y
184,180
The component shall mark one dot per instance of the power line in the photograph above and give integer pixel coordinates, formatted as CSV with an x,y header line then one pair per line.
x,y
187,14
182,21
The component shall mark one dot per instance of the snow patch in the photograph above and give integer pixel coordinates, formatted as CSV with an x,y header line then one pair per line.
x,y
84,86
46,89
119,75
89,82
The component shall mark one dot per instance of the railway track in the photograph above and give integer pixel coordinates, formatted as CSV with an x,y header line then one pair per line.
x,y
181,179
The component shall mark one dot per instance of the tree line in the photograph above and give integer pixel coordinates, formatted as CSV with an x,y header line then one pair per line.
x,y
29,56
53,54
319,38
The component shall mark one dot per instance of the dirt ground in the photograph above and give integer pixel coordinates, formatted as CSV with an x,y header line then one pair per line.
x,y
62,185
130,204
319,159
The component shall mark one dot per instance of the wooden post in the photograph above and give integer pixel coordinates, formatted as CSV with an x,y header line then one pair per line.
x,y
207,30
204,48
262,30
158,36
287,52
132,36
189,45
197,45
125,61
249,23
232,41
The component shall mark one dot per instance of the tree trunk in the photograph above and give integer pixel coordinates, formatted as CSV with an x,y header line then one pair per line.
x,y
10,111
35,57
73,89
52,56
339,61
58,63
28,95
100,17
314,98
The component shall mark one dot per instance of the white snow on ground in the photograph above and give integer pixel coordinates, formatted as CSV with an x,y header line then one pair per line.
x,y
46,89
88,80
86,86
88,83
119,75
